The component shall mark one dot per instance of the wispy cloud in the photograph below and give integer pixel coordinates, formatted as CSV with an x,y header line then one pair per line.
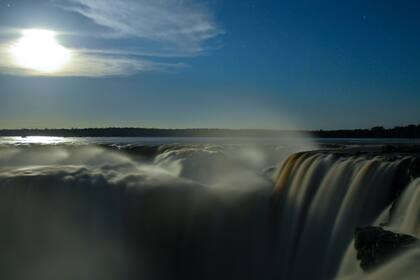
x,y
185,25
150,31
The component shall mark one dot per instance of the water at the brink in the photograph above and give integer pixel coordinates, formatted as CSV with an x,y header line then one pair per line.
x,y
196,211
321,199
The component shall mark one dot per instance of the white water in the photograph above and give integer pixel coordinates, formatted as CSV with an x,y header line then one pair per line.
x,y
404,218
406,215
88,212
193,212
322,199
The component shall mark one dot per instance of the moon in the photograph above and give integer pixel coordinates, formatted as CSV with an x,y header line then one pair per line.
x,y
38,50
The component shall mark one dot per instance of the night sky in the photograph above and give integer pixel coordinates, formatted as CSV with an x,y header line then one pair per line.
x,y
225,64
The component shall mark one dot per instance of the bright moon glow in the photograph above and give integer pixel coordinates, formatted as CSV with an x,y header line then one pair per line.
x,y
38,50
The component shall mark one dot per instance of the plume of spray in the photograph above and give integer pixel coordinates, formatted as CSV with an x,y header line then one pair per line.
x,y
75,209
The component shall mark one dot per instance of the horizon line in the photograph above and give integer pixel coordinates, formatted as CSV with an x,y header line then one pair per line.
x,y
213,128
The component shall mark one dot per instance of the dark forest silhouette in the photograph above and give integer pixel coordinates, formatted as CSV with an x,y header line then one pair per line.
x,y
410,131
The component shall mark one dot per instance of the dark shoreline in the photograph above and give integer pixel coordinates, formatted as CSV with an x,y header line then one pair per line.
x,y
408,132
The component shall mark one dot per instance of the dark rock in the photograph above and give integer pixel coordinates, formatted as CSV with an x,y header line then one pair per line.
x,y
375,245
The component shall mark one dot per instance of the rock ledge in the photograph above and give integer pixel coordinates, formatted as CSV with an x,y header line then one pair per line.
x,y
375,245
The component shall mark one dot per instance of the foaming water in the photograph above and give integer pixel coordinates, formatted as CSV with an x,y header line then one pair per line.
x,y
321,199
405,216
73,210
192,211
402,217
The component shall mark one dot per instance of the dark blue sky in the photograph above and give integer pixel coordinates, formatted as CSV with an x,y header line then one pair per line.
x,y
237,64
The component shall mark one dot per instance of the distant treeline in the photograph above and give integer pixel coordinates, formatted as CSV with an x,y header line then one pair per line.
x,y
410,131
145,132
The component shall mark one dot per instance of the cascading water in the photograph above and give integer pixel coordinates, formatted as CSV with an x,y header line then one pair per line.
x,y
193,212
320,199
405,215
401,217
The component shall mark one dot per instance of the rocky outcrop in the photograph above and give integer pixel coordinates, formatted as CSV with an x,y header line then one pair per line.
x,y
375,245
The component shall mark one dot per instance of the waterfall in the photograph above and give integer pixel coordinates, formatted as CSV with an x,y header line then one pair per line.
x,y
405,216
402,217
320,199
80,209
